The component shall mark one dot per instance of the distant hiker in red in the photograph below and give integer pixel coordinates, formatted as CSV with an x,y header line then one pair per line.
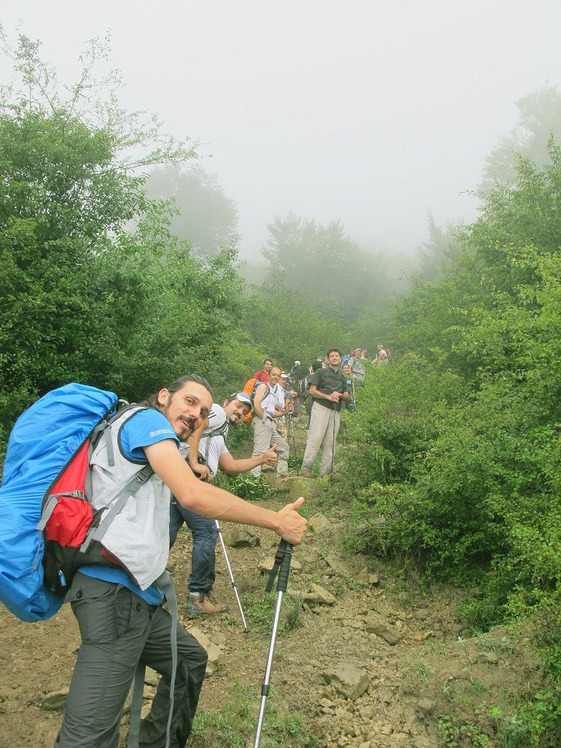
x,y
263,374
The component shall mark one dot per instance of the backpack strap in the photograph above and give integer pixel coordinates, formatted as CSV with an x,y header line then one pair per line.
x,y
165,584
219,431
116,505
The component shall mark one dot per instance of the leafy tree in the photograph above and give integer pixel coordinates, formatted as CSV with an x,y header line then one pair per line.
x,y
93,285
205,216
440,251
284,324
324,264
539,121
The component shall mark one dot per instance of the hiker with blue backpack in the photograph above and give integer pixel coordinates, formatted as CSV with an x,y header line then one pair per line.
x,y
115,580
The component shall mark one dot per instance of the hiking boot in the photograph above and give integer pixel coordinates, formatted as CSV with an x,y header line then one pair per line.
x,y
305,473
200,605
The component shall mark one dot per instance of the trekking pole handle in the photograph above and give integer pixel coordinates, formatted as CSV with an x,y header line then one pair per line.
x,y
286,549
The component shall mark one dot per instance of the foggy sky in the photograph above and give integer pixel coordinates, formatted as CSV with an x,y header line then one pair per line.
x,y
370,112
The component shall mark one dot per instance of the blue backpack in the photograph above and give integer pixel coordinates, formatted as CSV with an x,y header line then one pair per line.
x,y
43,443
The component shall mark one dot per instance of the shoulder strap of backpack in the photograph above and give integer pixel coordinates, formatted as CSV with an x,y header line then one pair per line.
x,y
117,504
219,431
97,533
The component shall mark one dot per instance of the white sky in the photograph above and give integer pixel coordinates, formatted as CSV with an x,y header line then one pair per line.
x,y
368,111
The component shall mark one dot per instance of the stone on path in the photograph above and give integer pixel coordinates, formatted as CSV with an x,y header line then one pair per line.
x,y
55,701
213,650
318,523
349,680
375,624
319,596
240,537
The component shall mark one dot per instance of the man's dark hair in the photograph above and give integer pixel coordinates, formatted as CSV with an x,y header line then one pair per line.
x,y
267,359
152,400
331,350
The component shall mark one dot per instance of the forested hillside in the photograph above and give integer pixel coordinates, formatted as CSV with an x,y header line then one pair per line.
x,y
454,463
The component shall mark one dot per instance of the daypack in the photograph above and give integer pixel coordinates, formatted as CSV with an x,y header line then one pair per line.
x,y
251,388
217,426
46,520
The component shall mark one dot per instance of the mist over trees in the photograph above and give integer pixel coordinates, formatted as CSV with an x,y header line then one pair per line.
x,y
324,263
539,122
201,212
459,476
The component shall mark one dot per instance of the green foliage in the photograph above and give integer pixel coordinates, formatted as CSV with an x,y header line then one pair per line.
x,y
462,473
287,325
261,610
233,726
399,409
203,215
455,732
247,486
94,285
325,266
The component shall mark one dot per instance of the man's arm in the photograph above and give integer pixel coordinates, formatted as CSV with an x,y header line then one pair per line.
x,y
315,393
212,502
201,471
232,466
259,395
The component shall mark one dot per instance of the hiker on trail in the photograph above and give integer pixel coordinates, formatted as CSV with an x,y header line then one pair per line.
x,y
208,444
268,407
357,366
123,624
382,355
262,375
328,388
348,374
303,386
291,393
252,383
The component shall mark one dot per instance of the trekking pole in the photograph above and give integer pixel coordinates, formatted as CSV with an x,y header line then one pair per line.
x,y
332,450
282,568
232,580
292,436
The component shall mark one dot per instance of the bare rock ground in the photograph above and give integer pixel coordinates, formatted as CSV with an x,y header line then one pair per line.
x,y
373,662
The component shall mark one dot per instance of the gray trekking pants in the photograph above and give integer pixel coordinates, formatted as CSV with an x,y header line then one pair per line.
x,y
324,427
265,434
119,630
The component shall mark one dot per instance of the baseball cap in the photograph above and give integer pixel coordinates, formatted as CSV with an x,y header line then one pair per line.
x,y
243,397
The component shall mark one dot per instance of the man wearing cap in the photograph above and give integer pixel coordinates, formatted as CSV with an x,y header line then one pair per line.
x,y
268,406
208,445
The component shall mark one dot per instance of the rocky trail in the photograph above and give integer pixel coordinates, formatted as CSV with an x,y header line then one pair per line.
x,y
362,658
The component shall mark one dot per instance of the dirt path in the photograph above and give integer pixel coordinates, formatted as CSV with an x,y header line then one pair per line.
x,y
380,663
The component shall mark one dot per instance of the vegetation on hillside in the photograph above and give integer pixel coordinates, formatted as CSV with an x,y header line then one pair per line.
x,y
459,469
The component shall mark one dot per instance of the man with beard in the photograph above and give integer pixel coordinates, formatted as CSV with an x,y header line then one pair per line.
x,y
120,614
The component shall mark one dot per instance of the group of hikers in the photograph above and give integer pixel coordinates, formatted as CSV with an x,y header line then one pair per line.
x,y
329,386
179,436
